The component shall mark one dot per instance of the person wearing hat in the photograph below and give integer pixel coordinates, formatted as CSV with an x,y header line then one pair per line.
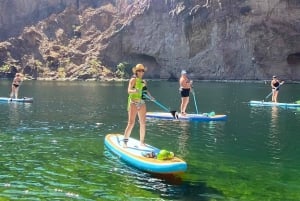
x,y
275,84
185,87
16,85
137,89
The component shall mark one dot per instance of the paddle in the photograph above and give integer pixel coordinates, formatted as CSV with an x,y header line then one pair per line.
x,y
174,113
206,114
272,91
193,92
268,96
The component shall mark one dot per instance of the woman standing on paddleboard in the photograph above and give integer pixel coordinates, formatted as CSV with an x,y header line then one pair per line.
x,y
136,103
16,85
275,84
185,87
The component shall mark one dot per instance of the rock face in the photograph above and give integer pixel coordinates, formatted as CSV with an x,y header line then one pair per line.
x,y
211,39
16,14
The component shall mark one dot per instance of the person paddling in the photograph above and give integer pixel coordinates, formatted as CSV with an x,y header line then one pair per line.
x,y
185,87
275,84
136,103
16,85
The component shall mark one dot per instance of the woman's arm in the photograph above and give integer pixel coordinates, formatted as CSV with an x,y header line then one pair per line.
x,y
131,85
148,94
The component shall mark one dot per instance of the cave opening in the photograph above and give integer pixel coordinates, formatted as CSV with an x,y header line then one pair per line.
x,y
153,68
293,59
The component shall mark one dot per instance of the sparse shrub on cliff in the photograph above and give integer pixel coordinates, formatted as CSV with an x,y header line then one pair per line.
x,y
95,67
123,70
4,68
61,72
76,31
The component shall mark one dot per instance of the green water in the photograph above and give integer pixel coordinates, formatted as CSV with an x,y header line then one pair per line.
x,y
53,148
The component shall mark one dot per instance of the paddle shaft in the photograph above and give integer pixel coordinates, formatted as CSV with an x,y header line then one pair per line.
x,y
268,95
195,102
162,106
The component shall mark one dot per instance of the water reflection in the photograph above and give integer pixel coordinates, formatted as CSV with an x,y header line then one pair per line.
x,y
183,137
213,135
211,140
17,112
14,114
273,142
274,117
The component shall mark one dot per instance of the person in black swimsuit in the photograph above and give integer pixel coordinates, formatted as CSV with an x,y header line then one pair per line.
x,y
275,84
185,87
16,85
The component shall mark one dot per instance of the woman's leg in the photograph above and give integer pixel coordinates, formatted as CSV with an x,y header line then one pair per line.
x,y
16,92
12,93
275,96
185,101
142,118
131,120
182,105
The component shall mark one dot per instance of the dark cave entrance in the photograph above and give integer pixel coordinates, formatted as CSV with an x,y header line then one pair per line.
x,y
293,59
153,68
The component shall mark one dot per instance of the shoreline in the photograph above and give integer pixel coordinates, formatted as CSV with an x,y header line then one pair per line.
x,y
149,79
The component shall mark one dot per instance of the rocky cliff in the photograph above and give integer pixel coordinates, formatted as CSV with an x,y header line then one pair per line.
x,y
211,39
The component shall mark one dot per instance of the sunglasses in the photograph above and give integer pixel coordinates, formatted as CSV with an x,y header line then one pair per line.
x,y
140,71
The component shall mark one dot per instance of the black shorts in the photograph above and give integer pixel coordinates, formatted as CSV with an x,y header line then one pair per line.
x,y
16,85
185,92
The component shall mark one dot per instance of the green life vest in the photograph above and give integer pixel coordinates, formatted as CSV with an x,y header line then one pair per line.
x,y
140,86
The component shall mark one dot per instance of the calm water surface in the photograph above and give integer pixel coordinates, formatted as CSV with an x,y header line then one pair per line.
x,y
53,148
